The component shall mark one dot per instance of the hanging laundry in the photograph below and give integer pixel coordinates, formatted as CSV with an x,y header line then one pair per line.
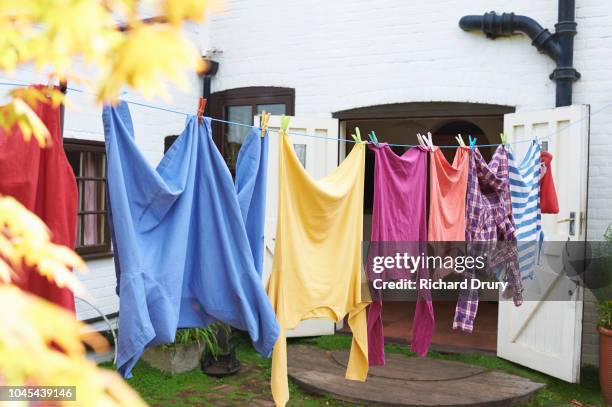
x,y
399,215
525,197
489,219
548,193
251,177
447,190
489,209
181,245
42,179
317,220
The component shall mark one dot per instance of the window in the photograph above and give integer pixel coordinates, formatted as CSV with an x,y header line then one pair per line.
x,y
240,105
300,152
88,161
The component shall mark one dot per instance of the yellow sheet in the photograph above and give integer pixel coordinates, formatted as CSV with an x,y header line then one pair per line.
x,y
317,260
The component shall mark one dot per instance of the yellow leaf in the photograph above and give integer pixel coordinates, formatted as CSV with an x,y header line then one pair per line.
x,y
5,272
19,221
40,344
178,10
31,123
19,113
141,67
7,250
66,256
25,238
55,38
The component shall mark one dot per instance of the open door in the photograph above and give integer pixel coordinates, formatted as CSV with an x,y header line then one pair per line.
x,y
319,157
545,335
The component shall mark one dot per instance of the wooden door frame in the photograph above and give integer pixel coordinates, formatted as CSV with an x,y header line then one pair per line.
x,y
251,95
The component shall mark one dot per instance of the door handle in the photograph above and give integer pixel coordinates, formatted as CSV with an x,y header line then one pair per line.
x,y
572,223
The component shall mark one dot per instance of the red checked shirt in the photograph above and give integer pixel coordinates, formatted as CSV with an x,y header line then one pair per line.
x,y
488,220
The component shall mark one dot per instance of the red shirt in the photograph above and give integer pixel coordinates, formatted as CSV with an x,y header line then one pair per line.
x,y
548,193
43,181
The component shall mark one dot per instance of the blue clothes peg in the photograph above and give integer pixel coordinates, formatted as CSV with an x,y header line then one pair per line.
x,y
472,142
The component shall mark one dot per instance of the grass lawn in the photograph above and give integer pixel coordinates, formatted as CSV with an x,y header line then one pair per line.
x,y
251,386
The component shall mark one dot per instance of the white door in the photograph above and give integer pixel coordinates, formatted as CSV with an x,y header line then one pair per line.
x,y
545,334
319,157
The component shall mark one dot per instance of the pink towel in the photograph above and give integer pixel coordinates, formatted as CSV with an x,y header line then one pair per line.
x,y
399,215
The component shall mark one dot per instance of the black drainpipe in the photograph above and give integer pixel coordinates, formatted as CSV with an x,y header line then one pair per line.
x,y
558,46
213,67
63,87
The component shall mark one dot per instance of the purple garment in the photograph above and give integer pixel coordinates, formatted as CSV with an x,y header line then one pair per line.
x,y
488,208
399,215
488,219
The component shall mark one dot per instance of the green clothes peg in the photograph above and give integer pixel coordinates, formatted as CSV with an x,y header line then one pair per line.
x,y
284,123
373,138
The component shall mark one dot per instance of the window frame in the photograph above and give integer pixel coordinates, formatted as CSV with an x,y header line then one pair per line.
x,y
252,95
91,251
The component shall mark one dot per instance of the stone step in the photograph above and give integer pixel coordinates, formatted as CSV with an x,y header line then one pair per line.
x,y
419,369
408,382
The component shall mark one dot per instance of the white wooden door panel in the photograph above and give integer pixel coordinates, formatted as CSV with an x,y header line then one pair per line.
x,y
320,158
545,334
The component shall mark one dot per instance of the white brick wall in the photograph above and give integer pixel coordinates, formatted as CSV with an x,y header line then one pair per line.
x,y
349,53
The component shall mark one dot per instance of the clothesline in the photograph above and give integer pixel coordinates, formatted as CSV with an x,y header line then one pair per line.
x,y
547,137
346,140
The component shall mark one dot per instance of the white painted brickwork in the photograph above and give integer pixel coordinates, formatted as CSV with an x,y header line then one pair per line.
x,y
344,54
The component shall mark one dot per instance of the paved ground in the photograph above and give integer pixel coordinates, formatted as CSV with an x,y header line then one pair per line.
x,y
407,381
397,320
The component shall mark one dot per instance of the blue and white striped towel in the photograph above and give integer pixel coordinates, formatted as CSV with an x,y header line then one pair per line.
x,y
525,195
